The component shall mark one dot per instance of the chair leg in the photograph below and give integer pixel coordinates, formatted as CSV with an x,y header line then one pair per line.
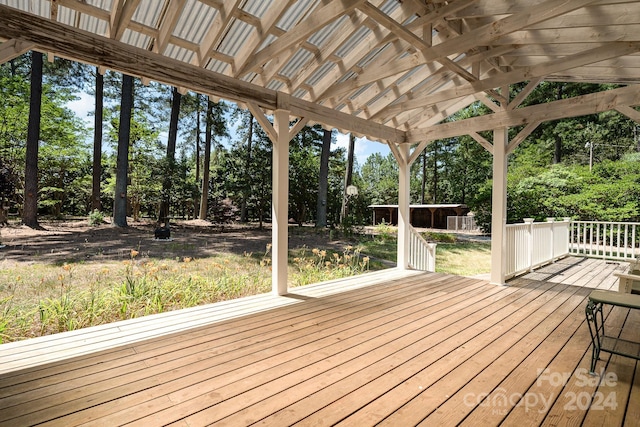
x,y
595,330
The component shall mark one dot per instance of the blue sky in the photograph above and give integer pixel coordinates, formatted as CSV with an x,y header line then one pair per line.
x,y
363,147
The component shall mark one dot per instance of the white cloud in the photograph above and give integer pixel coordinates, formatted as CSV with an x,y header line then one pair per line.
x,y
363,147
83,106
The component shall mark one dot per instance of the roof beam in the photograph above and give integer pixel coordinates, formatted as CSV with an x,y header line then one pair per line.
x,y
69,42
318,19
215,33
572,107
631,113
174,9
121,13
354,21
423,47
515,22
11,49
521,74
267,22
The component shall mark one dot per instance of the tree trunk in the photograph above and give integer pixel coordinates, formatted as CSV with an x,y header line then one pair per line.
x,y
434,197
96,203
30,212
348,176
424,177
197,137
122,162
244,217
206,163
171,157
323,184
557,152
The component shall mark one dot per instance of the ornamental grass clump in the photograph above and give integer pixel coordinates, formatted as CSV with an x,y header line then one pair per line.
x,y
47,299
321,265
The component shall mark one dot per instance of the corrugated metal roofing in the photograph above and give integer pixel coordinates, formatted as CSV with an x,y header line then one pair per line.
x,y
235,38
148,12
195,21
324,63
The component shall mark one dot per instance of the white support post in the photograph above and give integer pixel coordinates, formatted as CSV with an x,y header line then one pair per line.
x,y
552,221
499,207
280,203
404,220
529,221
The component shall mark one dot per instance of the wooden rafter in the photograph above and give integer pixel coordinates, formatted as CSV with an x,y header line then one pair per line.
x,y
267,22
118,56
215,33
632,113
572,107
291,38
521,74
169,21
12,49
121,13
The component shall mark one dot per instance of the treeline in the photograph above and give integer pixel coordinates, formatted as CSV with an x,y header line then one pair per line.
x,y
585,168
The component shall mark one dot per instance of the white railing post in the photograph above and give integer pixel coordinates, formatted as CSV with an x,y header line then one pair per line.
x,y
529,222
431,259
552,243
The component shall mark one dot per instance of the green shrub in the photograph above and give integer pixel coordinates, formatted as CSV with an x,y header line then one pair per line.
x,y
96,217
385,231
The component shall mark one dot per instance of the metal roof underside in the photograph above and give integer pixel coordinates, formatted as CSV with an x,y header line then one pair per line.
x,y
406,65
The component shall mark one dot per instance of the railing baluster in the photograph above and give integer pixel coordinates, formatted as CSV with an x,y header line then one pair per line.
x,y
421,253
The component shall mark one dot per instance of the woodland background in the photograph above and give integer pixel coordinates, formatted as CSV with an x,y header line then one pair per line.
x,y
215,163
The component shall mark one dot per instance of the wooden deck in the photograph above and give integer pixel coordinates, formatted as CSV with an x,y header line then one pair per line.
x,y
427,349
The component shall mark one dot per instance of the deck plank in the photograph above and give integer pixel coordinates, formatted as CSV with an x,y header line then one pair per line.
x,y
454,338
398,351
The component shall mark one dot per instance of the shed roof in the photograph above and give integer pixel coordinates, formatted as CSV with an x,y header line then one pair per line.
x,y
390,70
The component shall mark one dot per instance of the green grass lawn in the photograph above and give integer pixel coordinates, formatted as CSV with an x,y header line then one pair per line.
x,y
462,258
43,298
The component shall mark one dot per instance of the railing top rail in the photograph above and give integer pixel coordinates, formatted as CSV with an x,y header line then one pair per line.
x,y
605,222
415,232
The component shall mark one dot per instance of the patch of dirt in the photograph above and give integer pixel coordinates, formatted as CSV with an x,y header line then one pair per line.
x,y
76,241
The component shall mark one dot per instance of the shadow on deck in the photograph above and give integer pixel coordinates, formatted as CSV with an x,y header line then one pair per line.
x,y
425,348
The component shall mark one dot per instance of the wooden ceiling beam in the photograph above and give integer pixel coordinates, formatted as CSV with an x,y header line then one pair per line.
x,y
373,41
342,34
256,38
423,48
216,32
487,34
315,21
521,74
86,47
11,49
121,13
572,107
439,80
169,21
630,112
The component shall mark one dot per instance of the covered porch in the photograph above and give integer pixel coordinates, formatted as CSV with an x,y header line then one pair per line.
x,y
396,348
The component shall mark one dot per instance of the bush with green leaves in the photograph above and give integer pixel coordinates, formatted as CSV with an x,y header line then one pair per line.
x,y
96,218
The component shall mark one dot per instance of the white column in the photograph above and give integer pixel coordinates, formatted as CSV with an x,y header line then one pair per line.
x,y
499,206
529,221
403,207
280,203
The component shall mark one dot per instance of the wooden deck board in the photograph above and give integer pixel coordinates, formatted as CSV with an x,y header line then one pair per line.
x,y
427,348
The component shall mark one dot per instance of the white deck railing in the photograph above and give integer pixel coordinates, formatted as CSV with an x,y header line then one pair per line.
x,y
531,245
422,255
606,240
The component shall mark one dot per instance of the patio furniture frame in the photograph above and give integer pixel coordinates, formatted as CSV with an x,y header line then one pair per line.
x,y
595,319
